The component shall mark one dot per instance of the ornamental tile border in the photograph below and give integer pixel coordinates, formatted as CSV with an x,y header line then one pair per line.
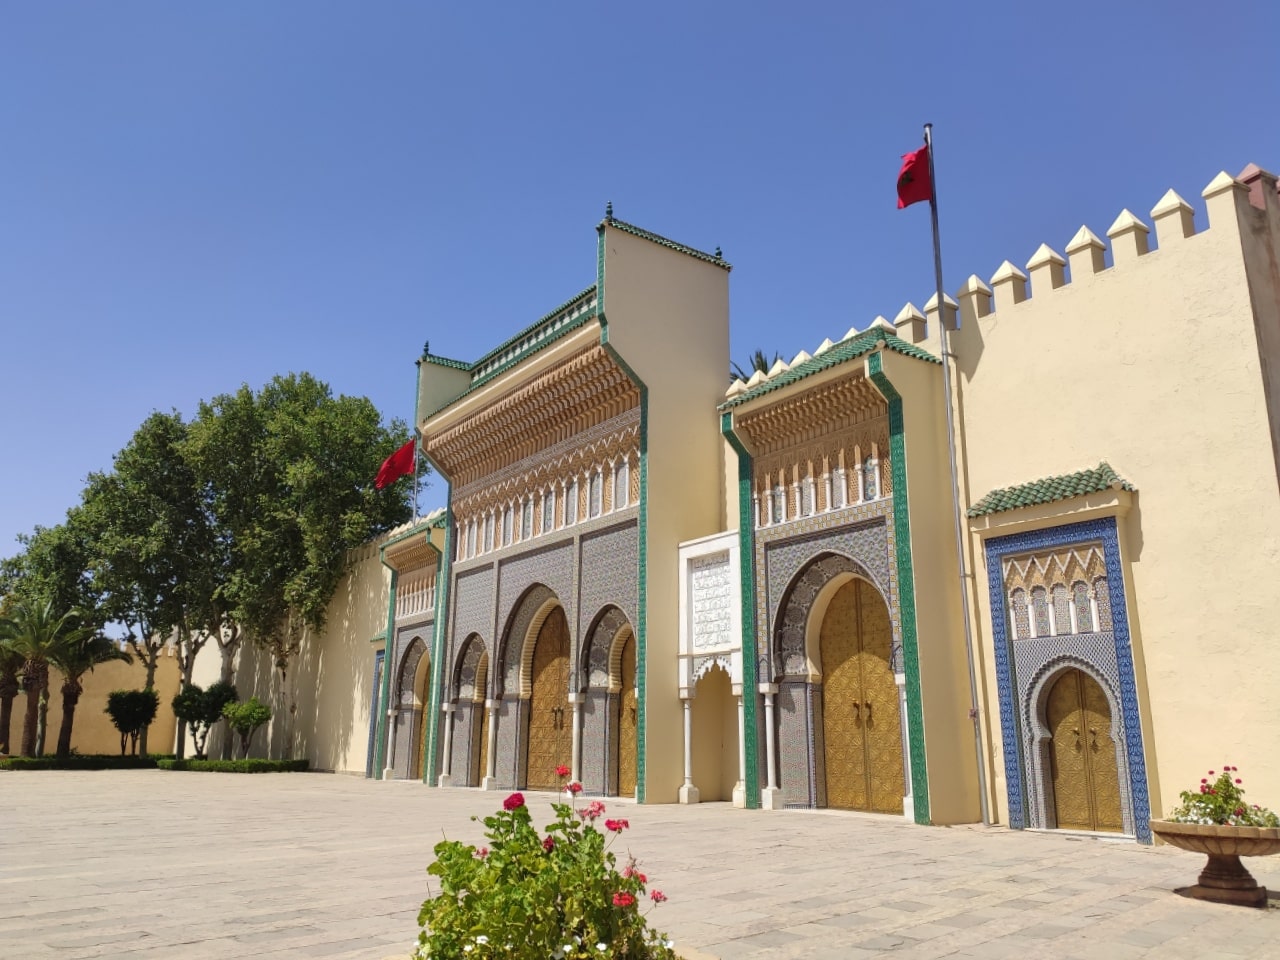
x,y
1008,664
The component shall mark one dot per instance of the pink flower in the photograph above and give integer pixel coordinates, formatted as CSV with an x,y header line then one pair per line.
x,y
627,871
1211,773
482,852
1239,811
657,896
617,826
549,844
1238,780
575,788
623,899
513,802
593,810
562,771
1202,780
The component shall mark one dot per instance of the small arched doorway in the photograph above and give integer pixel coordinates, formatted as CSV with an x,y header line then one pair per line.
x,y
862,732
715,735
628,710
1082,755
421,699
550,742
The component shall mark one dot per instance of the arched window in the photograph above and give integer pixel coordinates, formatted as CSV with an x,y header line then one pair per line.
x,y
1102,594
488,532
1040,612
838,489
621,483
526,519
1061,610
548,511
508,525
870,478
779,503
571,503
1084,610
1021,621
595,494
806,496
471,539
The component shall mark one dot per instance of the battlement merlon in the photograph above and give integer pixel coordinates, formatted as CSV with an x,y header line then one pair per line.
x,y
1243,212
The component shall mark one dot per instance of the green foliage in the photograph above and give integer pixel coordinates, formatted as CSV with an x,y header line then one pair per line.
x,y
77,761
556,895
131,712
236,766
54,567
245,717
759,361
201,709
1222,801
76,656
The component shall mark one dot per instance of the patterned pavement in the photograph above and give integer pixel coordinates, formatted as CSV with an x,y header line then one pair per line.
x,y
147,864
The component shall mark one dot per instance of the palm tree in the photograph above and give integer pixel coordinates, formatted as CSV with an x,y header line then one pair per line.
x,y
76,656
758,362
35,631
10,664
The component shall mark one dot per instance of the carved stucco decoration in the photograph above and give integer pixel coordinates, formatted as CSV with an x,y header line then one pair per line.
x,y
595,662
507,676
790,657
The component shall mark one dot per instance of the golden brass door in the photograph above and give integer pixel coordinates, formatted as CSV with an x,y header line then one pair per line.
x,y
482,754
627,722
1086,777
861,732
550,737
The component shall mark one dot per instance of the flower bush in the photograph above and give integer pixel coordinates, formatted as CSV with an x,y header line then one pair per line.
x,y
557,894
1221,801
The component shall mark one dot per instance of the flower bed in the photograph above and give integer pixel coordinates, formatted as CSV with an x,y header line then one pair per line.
x,y
556,894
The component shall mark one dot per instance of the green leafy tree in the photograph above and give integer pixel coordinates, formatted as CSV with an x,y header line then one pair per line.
x,y
131,712
289,473
244,718
76,656
36,632
759,361
10,663
200,709
154,554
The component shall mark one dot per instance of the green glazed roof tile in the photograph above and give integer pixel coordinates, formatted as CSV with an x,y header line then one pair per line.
x,y
856,346
1050,490
631,228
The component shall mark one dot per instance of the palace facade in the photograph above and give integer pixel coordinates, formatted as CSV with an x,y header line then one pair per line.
x,y
686,594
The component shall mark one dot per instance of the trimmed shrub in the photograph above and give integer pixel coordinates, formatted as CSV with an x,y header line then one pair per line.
x,y
131,712
236,766
86,762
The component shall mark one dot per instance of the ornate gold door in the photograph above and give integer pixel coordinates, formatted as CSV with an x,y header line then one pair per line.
x,y
418,758
1086,778
862,734
627,722
550,737
482,754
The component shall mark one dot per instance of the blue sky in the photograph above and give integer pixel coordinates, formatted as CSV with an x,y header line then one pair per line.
x,y
198,196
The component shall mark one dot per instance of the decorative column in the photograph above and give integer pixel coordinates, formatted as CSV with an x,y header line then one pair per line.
x,y
688,792
575,763
740,788
445,779
771,795
490,780
908,802
393,721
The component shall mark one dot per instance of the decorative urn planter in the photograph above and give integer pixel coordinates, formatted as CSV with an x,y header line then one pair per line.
x,y
1224,878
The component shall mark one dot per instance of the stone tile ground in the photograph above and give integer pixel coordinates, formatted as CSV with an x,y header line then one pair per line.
x,y
147,865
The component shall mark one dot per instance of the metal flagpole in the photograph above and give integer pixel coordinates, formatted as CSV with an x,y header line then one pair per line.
x,y
955,479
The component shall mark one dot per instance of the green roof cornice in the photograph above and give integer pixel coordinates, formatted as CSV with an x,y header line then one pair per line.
x,y
713,258
856,346
1051,489
446,362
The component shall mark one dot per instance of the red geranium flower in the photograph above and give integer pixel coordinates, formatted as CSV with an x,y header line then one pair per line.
x,y
513,802
482,852
549,844
657,896
575,787
617,826
623,899
562,771
593,809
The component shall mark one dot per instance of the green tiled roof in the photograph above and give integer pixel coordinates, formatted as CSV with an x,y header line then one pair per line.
x,y
1051,489
662,241
542,333
855,346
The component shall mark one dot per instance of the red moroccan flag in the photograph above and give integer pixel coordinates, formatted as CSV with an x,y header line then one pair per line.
x,y
913,178
399,464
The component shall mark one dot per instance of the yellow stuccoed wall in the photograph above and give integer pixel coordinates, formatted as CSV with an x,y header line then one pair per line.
x,y
1152,365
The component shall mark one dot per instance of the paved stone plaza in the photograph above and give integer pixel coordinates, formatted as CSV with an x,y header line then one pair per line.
x,y
145,864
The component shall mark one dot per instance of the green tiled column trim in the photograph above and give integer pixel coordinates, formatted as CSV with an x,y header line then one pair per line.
x,y
746,561
380,748
438,634
642,587
906,587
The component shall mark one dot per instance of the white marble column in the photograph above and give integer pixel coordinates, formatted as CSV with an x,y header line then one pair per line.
x,y
490,781
575,763
688,792
445,779
771,795
908,802
389,772
740,788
